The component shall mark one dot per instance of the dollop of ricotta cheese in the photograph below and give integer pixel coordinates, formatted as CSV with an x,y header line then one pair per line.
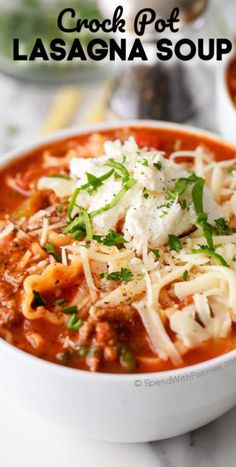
x,y
147,212
149,217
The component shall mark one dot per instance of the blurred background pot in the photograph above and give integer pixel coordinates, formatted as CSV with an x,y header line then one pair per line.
x,y
154,89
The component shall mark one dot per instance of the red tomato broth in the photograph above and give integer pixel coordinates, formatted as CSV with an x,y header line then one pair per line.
x,y
162,139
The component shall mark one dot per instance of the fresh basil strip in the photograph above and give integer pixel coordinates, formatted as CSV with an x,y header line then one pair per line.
x,y
93,183
80,224
74,198
181,185
120,167
87,223
73,225
197,195
207,228
131,182
207,251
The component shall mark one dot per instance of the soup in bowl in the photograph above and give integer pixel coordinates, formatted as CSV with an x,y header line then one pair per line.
x,y
118,264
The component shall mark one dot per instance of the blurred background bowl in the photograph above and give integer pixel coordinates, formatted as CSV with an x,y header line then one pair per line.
x,y
31,19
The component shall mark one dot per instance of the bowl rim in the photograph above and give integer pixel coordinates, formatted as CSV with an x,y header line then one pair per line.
x,y
61,135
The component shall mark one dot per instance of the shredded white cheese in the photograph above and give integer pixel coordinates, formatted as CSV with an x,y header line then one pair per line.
x,y
88,274
44,234
7,230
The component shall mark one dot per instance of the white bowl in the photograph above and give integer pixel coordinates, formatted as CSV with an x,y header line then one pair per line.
x,y
225,108
121,408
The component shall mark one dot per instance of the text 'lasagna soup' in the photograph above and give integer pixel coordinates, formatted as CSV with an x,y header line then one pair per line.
x,y
118,251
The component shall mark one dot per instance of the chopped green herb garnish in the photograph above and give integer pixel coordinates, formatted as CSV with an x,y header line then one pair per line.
x,y
145,194
79,234
126,186
38,300
183,204
120,167
83,351
102,178
140,276
164,213
73,199
174,243
70,310
145,163
95,183
207,251
124,274
234,258
185,275
80,226
127,360
158,165
51,250
171,195
117,176
222,227
74,323
181,185
231,169
156,252
112,238
59,208
60,302
64,177
86,222
207,228
197,194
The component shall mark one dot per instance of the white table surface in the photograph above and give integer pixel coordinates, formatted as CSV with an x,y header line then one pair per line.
x,y
26,440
